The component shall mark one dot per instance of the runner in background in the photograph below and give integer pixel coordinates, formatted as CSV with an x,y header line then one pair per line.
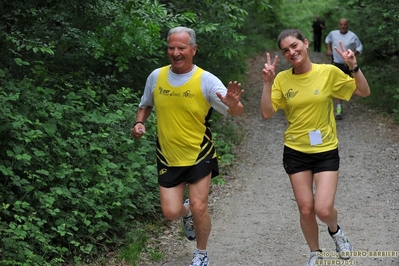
x,y
350,41
317,27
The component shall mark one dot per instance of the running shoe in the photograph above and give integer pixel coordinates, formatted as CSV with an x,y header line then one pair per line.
x,y
313,259
338,114
188,224
342,244
200,259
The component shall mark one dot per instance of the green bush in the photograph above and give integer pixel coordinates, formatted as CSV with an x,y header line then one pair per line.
x,y
72,176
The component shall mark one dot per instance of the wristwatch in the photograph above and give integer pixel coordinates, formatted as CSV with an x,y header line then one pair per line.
x,y
356,69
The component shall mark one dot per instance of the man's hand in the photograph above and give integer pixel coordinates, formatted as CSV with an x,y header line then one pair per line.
x,y
233,94
138,130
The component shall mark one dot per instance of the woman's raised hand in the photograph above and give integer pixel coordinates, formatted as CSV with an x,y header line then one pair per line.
x,y
348,55
269,70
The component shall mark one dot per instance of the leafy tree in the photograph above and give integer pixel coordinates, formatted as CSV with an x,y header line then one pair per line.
x,y
381,51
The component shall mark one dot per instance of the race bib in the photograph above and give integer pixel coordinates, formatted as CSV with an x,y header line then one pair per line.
x,y
315,137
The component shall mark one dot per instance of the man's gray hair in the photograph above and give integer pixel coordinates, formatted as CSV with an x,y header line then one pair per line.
x,y
193,38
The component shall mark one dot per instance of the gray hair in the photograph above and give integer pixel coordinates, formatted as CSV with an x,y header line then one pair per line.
x,y
290,32
193,38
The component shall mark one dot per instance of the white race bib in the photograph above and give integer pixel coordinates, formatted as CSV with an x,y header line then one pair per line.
x,y
315,137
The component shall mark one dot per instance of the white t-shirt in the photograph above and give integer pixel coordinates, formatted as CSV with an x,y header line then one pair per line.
x,y
349,40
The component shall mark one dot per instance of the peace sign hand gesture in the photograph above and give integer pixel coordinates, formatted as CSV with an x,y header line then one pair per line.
x,y
269,70
347,55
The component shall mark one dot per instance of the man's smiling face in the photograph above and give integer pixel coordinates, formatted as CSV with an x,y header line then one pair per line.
x,y
181,53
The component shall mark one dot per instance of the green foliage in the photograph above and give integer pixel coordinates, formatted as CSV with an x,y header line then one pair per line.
x,y
381,51
72,175
130,33
384,86
305,13
261,27
380,37
135,241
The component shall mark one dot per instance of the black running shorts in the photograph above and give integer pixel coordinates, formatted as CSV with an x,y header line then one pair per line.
x,y
295,161
344,68
173,176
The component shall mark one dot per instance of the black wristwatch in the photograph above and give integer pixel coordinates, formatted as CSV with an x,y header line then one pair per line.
x,y
138,122
356,69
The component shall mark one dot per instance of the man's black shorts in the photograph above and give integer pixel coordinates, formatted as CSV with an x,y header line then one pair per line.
x,y
295,161
173,176
344,68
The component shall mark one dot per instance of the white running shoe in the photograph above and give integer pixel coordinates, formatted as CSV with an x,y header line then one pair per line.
x,y
313,258
188,224
200,259
342,244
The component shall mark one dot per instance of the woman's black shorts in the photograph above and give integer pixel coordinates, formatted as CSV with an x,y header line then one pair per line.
x,y
295,161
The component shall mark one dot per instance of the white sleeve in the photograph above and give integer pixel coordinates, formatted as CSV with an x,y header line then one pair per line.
x,y
147,98
359,46
210,85
328,38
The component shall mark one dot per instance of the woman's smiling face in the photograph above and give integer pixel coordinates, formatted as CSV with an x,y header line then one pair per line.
x,y
294,50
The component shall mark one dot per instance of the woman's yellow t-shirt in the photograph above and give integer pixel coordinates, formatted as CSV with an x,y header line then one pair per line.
x,y
308,102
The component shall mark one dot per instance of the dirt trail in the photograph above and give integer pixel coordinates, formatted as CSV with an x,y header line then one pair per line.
x,y
254,216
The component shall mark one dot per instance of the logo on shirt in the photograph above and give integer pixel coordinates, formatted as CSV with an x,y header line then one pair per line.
x,y
186,94
290,94
316,92
163,91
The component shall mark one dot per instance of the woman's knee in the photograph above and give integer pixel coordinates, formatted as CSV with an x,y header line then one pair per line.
x,y
325,212
307,211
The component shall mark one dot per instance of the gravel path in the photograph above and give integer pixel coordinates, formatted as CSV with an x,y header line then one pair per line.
x,y
255,220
